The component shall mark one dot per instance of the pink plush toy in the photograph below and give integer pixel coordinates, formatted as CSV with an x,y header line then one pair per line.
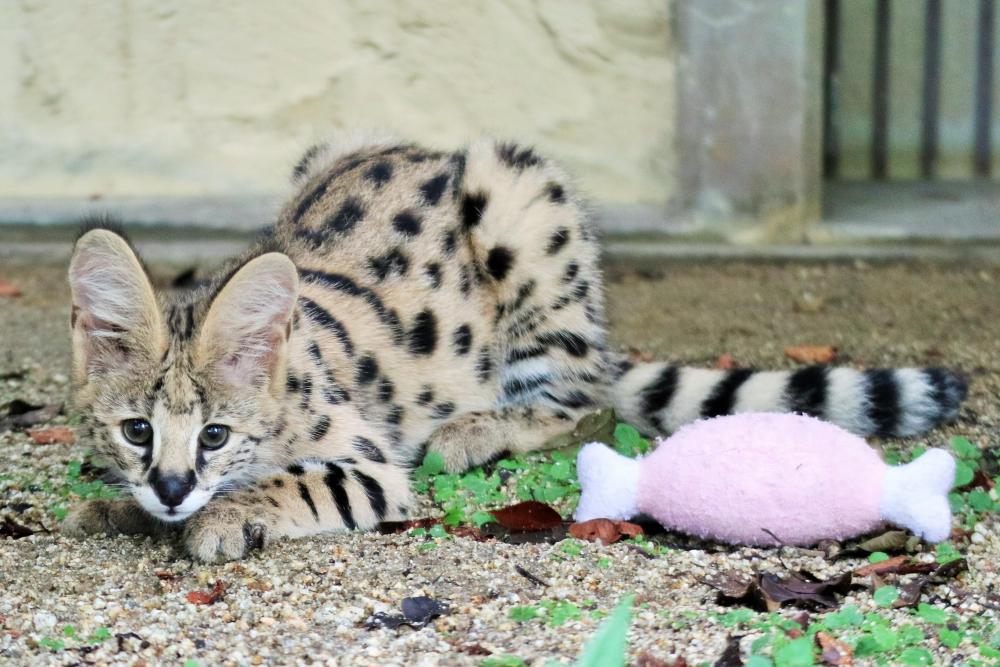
x,y
768,479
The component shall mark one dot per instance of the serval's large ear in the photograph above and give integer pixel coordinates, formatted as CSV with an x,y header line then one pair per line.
x,y
243,339
115,319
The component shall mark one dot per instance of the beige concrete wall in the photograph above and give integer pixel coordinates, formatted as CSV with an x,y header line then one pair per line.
x,y
147,97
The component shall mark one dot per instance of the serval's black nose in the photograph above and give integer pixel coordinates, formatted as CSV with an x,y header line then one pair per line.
x,y
171,489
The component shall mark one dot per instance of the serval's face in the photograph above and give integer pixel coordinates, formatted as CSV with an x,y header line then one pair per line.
x,y
178,397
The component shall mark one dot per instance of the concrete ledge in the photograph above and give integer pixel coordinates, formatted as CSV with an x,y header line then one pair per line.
x,y
201,247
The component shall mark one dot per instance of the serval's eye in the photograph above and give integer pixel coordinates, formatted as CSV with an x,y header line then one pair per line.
x,y
138,432
213,436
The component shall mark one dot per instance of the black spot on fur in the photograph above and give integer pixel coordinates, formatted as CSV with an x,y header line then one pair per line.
x,y
464,279
557,241
574,344
499,261
425,396
406,222
294,469
292,383
484,365
432,190
334,394
367,369
448,243
723,396
379,173
386,390
368,449
395,415
433,271
523,292
319,315
462,339
444,410
394,261
517,386
302,167
557,195
319,429
423,336
307,386
342,283
517,157
473,206
573,400
883,401
348,216
523,353
806,391
570,274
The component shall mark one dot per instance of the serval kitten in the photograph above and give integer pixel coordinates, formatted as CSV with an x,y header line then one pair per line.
x,y
405,300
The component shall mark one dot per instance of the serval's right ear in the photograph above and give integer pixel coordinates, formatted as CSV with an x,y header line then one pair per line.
x,y
115,318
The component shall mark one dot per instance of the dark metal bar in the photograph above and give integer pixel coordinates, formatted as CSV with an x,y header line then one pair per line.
x,y
981,153
932,90
831,73
880,93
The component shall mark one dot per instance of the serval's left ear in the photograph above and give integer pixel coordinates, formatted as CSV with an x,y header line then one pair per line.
x,y
243,339
115,320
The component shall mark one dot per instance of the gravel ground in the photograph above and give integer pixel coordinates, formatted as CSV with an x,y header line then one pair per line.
x,y
306,602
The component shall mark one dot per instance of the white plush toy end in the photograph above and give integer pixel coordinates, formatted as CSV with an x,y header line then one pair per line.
x,y
915,495
610,484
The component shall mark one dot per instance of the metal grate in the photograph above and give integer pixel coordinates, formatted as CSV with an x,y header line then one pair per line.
x,y
880,153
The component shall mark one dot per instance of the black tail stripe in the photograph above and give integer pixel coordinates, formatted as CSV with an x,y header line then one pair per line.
x,y
321,316
334,480
376,496
307,498
658,393
806,391
723,396
883,401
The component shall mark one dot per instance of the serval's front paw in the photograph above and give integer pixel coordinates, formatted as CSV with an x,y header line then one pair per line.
x,y
223,532
109,517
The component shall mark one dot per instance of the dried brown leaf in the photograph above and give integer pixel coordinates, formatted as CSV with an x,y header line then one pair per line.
x,y
833,650
812,354
14,530
895,565
53,435
731,655
647,660
211,597
605,531
9,289
641,356
41,415
726,362
910,592
770,592
529,515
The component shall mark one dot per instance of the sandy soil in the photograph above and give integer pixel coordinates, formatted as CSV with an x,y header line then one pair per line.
x,y
306,602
